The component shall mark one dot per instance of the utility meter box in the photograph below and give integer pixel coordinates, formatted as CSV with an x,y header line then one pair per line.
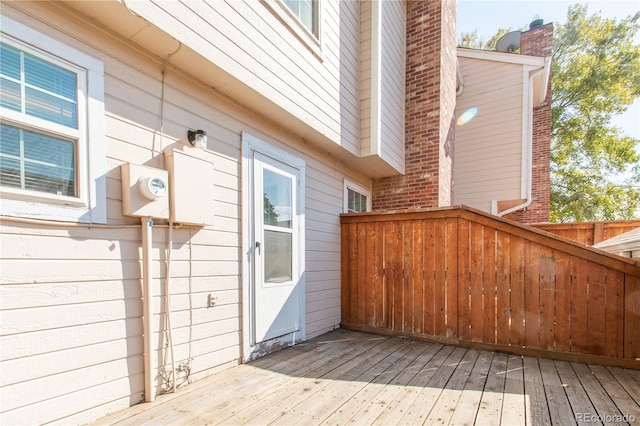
x,y
191,178
145,191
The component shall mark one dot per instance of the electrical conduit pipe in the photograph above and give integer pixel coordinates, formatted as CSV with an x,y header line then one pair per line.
x,y
147,309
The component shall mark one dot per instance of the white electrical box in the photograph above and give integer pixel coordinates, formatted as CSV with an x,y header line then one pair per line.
x,y
191,178
145,191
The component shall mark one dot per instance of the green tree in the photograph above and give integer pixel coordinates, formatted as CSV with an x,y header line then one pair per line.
x,y
595,169
596,75
270,214
473,41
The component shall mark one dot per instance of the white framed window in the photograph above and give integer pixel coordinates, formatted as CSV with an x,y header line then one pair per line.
x,y
306,11
303,18
357,199
52,157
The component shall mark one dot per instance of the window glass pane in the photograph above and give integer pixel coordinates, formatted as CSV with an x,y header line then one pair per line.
x,y
306,14
277,257
10,94
37,162
305,10
9,141
10,77
50,90
294,5
356,202
278,200
9,62
49,77
9,172
51,108
9,157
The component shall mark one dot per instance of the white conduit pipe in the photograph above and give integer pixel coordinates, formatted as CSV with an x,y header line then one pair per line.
x,y
167,313
147,310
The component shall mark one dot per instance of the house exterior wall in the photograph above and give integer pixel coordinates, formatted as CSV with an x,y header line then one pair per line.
x,y
71,329
538,42
253,46
489,146
392,88
429,111
382,90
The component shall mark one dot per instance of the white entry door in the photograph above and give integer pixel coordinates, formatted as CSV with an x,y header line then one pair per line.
x,y
275,250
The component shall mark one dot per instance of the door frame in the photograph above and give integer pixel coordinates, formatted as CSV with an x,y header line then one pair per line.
x,y
250,144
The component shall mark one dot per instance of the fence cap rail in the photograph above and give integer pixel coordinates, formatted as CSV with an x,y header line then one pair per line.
x,y
629,266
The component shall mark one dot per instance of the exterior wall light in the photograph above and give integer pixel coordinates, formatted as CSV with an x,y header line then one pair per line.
x,y
197,138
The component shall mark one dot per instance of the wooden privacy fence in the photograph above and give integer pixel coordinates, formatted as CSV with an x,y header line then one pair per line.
x,y
461,276
589,233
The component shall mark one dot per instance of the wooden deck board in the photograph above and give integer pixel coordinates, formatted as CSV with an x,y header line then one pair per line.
x,y
513,403
446,404
370,412
397,408
250,405
578,397
490,410
616,392
601,401
557,401
357,378
536,407
467,408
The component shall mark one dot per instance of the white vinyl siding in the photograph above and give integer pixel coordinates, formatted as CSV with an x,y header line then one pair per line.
x,y
71,331
496,132
392,74
365,78
382,81
251,45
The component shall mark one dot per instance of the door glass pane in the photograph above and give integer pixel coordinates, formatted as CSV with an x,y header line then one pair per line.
x,y
278,199
277,257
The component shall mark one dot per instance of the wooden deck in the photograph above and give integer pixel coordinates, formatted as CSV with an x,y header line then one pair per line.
x,y
350,377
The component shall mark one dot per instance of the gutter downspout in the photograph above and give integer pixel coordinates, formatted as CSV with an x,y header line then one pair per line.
x,y
147,311
528,175
459,79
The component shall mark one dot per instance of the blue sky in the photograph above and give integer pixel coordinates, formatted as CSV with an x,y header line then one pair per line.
x,y
488,16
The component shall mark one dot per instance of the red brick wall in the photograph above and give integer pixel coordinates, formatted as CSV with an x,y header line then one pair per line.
x,y
429,108
538,42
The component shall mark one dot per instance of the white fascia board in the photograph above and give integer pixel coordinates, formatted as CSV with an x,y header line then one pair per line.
x,y
510,58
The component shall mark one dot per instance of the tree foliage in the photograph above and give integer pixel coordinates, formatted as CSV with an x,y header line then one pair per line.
x,y
474,41
595,169
596,75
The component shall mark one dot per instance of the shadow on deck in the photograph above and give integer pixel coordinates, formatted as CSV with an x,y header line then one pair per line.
x,y
359,378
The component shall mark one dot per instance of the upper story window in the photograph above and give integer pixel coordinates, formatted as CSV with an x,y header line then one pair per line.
x,y
307,12
51,128
357,199
302,18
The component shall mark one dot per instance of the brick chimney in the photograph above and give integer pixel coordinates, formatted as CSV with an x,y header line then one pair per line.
x,y
429,112
538,42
